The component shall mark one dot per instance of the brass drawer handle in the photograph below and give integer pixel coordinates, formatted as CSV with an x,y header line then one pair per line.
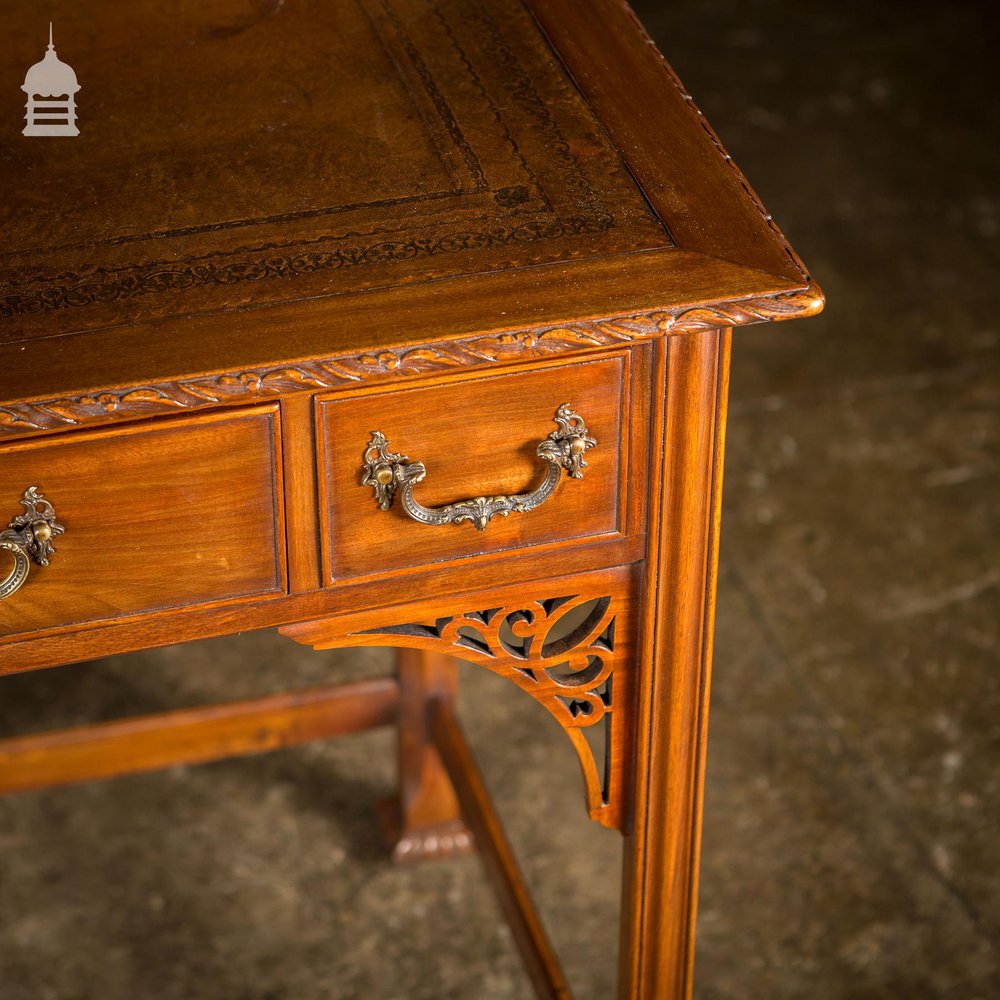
x,y
29,534
386,471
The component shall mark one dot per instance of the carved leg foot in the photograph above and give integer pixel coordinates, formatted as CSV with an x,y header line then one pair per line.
x,y
424,822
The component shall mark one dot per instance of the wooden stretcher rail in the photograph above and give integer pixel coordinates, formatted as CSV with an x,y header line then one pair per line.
x,y
195,735
498,859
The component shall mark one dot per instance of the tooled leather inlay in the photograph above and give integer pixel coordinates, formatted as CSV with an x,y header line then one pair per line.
x,y
469,146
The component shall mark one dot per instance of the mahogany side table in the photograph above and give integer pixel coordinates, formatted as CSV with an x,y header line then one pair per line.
x,y
387,322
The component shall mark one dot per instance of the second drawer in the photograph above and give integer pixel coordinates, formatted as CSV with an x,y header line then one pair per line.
x,y
475,438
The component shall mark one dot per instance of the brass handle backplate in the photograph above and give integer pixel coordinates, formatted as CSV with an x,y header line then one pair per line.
x,y
386,472
29,536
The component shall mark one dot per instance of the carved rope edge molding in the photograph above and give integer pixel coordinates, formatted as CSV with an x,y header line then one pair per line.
x,y
325,373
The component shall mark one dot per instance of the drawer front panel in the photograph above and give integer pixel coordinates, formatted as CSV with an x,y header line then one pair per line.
x,y
476,437
179,513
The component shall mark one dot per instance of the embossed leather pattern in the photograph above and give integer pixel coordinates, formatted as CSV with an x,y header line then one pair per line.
x,y
422,140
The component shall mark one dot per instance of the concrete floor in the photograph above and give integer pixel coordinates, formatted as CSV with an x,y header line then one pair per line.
x,y
852,830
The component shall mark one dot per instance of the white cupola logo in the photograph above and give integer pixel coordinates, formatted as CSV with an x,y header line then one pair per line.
x,y
51,78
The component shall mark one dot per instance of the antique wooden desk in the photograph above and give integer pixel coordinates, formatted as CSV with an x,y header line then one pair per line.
x,y
384,322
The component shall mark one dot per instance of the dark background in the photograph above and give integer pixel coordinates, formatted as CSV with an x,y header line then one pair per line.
x,y
852,828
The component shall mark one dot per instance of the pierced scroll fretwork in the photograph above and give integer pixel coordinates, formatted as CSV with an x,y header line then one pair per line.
x,y
561,651
569,642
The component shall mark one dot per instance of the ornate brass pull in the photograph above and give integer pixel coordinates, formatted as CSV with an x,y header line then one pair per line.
x,y
29,534
387,471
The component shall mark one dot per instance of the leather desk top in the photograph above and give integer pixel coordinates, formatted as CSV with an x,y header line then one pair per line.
x,y
266,194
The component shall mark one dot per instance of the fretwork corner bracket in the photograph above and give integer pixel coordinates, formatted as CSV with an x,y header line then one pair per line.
x,y
389,363
567,644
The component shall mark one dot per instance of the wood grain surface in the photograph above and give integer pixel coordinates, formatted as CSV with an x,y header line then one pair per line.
x,y
440,222
177,513
476,437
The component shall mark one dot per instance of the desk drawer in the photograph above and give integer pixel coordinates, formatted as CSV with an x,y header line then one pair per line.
x,y
475,437
180,512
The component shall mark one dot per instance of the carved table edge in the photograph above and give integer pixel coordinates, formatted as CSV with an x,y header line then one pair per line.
x,y
202,391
